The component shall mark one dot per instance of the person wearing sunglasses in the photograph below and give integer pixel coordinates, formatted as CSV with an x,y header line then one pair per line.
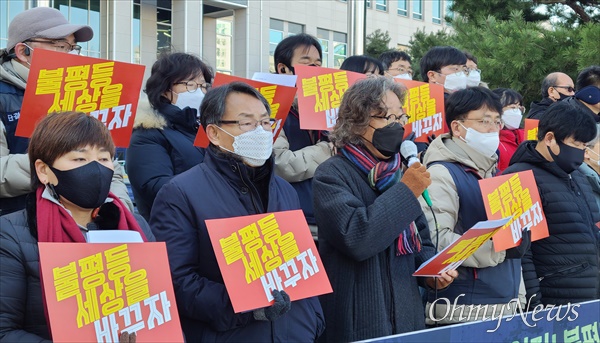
x,y
162,142
37,28
556,86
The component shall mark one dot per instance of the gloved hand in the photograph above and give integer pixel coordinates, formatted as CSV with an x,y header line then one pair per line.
x,y
416,178
281,305
521,249
431,138
126,337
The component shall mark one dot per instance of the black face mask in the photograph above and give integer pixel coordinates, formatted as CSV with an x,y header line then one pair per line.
x,y
387,140
562,96
86,186
569,158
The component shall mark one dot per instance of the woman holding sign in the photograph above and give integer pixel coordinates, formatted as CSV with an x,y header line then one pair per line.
x,y
162,143
372,232
71,156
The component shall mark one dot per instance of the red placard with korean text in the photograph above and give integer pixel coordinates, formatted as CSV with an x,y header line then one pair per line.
x,y
320,92
263,252
95,291
514,195
456,253
107,90
280,99
531,129
424,103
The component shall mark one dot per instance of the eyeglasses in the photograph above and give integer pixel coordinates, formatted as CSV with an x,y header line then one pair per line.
x,y
488,123
394,117
402,70
455,70
469,70
59,45
192,86
251,124
568,88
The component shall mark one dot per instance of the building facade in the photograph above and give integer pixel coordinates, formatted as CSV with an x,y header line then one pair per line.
x,y
233,36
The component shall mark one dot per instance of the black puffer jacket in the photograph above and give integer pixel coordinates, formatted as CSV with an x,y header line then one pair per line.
x,y
538,108
22,316
563,267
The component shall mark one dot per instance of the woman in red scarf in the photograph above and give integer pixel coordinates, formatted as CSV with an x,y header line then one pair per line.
x,y
70,155
510,135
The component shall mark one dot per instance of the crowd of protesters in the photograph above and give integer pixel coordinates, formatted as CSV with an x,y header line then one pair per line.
x,y
361,199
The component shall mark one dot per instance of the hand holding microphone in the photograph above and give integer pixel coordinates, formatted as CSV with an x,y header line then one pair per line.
x,y
416,177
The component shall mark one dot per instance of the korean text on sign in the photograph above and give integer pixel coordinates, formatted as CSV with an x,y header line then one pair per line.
x,y
328,90
511,199
268,255
422,111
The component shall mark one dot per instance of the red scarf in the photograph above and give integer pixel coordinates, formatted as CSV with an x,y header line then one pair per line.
x,y
55,224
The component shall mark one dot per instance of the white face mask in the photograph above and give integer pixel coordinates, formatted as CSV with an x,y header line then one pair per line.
x,y
456,81
512,118
405,76
191,100
474,78
254,147
485,143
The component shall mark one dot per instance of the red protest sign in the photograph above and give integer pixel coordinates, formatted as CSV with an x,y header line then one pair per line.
x,y
531,129
320,92
94,292
424,103
280,99
456,253
107,90
263,252
514,195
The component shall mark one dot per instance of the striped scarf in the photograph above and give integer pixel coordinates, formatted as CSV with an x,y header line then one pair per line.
x,y
382,175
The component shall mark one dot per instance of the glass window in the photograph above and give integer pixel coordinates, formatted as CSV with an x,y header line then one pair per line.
x,y
83,12
224,45
8,10
437,11
340,48
403,8
294,29
275,36
323,36
368,2
136,48
163,25
381,5
417,9
449,12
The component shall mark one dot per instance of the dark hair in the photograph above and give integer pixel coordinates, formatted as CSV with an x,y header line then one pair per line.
x,y
566,120
284,52
508,96
214,104
461,102
438,57
171,68
590,76
360,102
549,81
362,64
470,56
62,132
391,56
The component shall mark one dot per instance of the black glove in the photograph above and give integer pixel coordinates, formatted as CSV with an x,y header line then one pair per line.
x,y
521,249
281,305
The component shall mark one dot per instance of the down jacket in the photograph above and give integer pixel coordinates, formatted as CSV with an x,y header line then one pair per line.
x,y
22,316
563,267
223,187
162,146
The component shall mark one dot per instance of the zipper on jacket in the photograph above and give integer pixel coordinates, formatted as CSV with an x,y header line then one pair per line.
x,y
562,270
475,273
249,190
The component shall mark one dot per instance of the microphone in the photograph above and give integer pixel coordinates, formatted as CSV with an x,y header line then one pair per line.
x,y
408,149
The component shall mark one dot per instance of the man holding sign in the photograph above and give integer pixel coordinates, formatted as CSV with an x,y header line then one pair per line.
x,y
238,179
562,268
37,28
456,161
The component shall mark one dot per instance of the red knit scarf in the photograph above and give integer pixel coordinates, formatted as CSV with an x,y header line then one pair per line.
x,y
55,224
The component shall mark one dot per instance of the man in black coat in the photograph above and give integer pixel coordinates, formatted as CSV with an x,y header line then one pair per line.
x,y
562,268
556,86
